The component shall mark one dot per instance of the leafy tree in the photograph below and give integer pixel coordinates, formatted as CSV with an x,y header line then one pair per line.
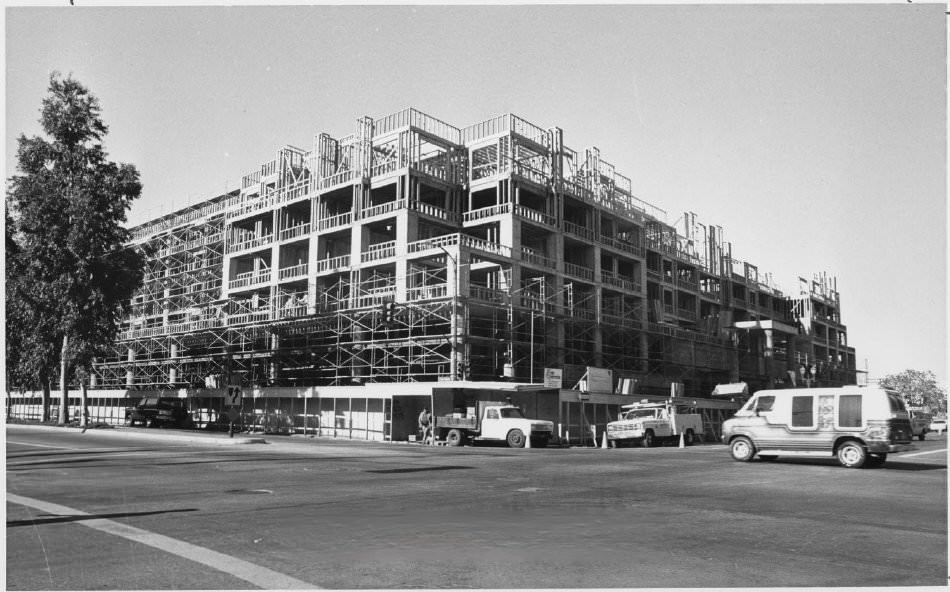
x,y
72,270
919,388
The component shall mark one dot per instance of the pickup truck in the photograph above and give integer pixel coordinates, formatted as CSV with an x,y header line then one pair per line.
x,y
649,423
919,422
493,422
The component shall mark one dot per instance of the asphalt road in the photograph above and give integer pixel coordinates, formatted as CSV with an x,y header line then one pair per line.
x,y
123,511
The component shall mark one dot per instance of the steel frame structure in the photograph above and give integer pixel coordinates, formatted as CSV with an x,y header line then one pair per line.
x,y
503,250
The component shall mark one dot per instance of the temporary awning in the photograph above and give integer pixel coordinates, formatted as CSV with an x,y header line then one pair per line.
x,y
731,389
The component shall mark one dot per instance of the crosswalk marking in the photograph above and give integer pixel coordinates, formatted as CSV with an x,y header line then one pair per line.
x,y
249,572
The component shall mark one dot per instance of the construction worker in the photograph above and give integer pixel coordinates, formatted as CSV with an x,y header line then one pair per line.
x,y
425,424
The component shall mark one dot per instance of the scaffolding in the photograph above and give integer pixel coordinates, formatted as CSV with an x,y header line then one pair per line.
x,y
412,250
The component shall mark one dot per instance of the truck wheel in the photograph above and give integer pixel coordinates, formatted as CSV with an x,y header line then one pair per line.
x,y
852,455
647,439
516,438
689,438
454,438
742,449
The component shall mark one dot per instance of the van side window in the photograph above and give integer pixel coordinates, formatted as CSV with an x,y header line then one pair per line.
x,y
802,416
765,403
896,403
849,411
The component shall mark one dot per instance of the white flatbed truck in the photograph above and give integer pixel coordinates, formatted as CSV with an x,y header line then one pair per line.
x,y
493,422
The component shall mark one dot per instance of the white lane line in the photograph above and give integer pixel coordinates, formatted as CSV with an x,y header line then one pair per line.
x,y
919,453
249,572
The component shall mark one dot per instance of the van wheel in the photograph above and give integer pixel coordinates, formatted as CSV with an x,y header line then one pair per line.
x,y
689,438
876,460
516,439
852,455
454,438
742,449
647,439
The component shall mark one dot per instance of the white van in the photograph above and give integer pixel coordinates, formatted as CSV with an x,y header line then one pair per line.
x,y
859,425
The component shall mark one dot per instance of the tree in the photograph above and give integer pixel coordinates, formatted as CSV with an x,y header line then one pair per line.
x,y
919,388
73,271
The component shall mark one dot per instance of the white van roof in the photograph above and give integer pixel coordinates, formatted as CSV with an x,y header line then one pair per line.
x,y
851,389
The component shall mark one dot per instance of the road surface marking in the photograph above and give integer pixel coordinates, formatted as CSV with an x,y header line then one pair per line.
x,y
924,452
249,572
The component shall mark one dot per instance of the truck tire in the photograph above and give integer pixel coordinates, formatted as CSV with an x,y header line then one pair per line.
x,y
742,449
647,440
454,438
516,438
852,455
689,438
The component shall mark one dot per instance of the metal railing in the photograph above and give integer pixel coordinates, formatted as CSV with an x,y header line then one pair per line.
x,y
529,255
434,211
295,231
535,216
383,208
333,263
338,220
427,292
293,271
622,245
487,294
580,271
379,251
619,281
482,213
250,243
578,230
243,280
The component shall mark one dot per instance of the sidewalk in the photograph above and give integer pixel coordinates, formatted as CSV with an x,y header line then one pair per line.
x,y
212,438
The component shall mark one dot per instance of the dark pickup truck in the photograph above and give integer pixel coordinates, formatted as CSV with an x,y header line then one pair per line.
x,y
165,412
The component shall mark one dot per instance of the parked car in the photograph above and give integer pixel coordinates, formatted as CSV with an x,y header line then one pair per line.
x,y
164,412
938,425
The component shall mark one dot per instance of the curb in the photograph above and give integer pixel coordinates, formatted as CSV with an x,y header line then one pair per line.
x,y
210,439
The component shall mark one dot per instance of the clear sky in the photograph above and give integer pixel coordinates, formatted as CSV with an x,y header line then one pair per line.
x,y
815,135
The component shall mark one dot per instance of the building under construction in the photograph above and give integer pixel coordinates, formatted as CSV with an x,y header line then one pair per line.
x,y
415,251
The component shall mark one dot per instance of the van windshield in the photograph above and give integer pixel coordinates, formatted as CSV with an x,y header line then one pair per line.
x,y
896,403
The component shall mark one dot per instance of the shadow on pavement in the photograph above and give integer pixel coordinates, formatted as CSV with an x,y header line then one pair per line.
x,y
60,519
417,469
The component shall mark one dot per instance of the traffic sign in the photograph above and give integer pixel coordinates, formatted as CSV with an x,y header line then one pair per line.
x,y
233,396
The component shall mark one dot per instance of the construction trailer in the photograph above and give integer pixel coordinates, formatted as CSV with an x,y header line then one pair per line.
x,y
415,251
